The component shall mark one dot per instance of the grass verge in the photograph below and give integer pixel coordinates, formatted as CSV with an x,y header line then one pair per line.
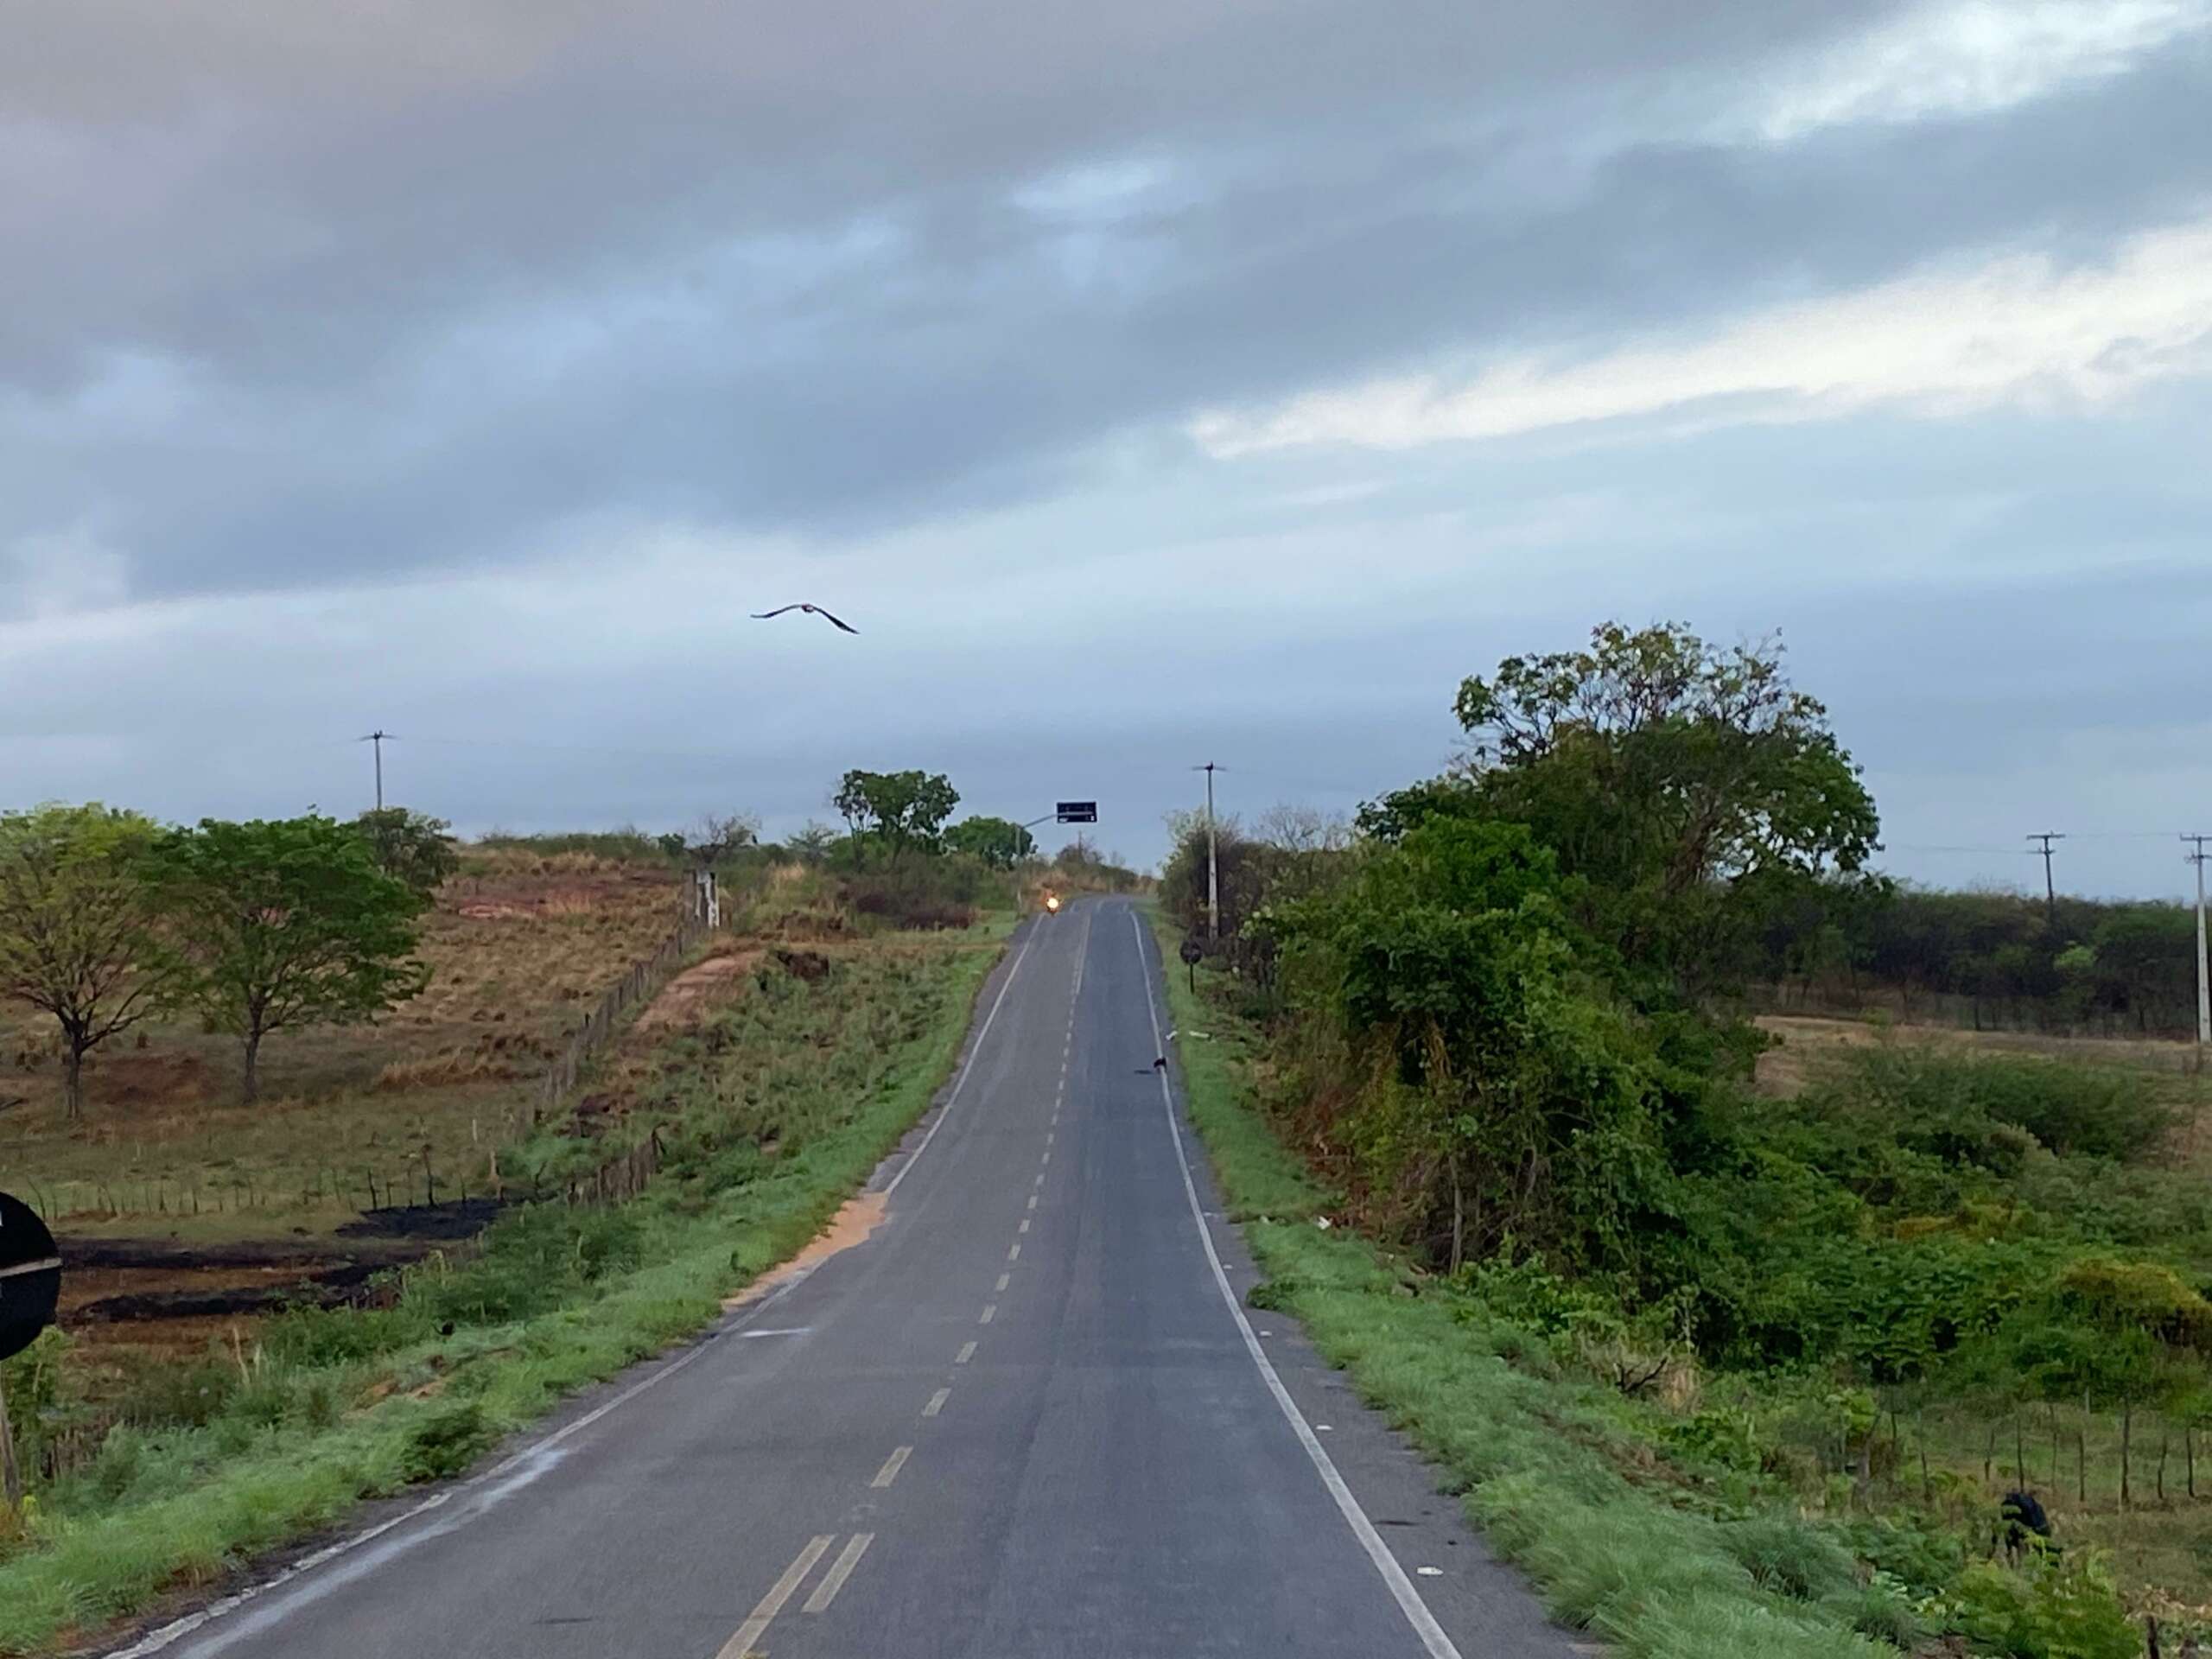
x,y
1561,1474
271,1445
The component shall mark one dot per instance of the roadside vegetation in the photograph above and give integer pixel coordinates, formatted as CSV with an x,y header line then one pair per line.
x,y
1729,1370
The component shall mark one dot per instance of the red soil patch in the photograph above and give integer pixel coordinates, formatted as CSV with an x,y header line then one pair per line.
x,y
852,1226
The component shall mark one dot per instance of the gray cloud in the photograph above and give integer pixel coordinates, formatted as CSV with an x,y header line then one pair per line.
x,y
467,374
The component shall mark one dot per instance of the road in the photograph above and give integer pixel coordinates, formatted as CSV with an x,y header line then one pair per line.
x,y
1026,1418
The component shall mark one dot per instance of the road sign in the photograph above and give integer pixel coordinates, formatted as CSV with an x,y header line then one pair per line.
x,y
1193,952
30,1276
1079,812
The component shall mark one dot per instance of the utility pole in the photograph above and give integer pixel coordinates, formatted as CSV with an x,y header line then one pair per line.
x,y
2049,892
376,739
2196,856
1213,863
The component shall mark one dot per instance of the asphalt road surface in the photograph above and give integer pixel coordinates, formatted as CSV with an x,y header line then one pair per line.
x,y
1027,1419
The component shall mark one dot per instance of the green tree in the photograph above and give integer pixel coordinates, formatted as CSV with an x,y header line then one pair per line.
x,y
287,922
901,809
413,847
999,842
79,919
1493,1086
813,844
1693,787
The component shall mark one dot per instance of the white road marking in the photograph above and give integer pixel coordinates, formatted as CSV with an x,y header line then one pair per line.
x,y
1004,1279
772,1603
990,1313
1025,1227
840,1570
486,1491
1013,1251
966,1066
967,1353
1032,1203
892,1465
1039,1181
937,1402
1433,1641
788,1330
1048,1137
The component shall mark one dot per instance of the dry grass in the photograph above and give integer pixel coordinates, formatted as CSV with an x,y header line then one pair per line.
x,y
1809,1044
519,944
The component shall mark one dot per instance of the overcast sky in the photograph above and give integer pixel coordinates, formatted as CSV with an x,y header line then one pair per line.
x,y
1151,383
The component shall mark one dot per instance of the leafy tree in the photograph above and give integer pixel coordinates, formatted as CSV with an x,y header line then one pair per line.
x,y
1693,787
287,922
999,842
413,847
1513,1103
902,810
78,920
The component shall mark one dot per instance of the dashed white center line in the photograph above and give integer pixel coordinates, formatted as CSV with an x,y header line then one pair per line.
x,y
1048,1137
937,1402
1013,1251
1004,1279
889,1472
764,1615
840,1570
1040,1182
990,1313
1032,1203
1025,1227
967,1353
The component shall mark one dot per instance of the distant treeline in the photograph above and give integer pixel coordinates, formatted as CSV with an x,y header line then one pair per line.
x,y
1986,959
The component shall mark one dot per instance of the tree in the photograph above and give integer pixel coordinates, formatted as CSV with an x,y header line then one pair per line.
x,y
1693,787
413,847
715,838
813,844
1491,1089
902,810
79,919
999,842
287,922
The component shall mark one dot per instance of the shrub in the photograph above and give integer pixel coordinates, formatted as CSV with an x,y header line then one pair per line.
x,y
445,1443
2054,1607
1792,1557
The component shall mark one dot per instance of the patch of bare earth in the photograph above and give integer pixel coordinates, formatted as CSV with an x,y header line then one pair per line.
x,y
696,989
851,1226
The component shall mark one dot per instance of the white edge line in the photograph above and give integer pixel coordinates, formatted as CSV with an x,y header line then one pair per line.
x,y
1424,1624
967,1065
176,1629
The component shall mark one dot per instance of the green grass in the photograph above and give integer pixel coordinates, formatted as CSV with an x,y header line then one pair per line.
x,y
1664,1565
332,1409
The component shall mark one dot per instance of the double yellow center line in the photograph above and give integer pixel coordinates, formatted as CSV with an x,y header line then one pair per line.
x,y
764,1614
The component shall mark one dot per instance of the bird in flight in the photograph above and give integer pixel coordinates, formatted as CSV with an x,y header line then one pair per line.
x,y
812,610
